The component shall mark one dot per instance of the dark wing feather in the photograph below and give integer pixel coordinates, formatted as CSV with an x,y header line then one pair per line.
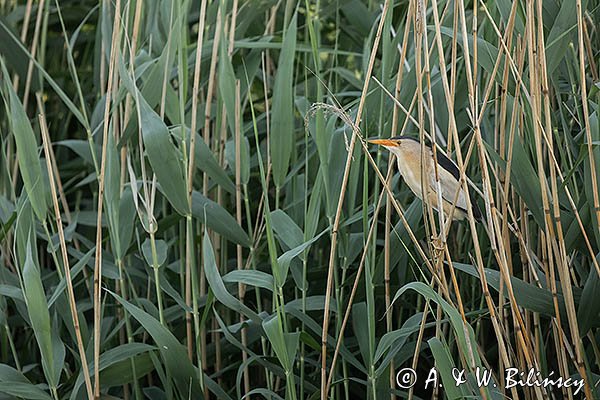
x,y
448,165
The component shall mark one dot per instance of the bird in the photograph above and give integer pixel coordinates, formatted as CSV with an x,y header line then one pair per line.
x,y
408,155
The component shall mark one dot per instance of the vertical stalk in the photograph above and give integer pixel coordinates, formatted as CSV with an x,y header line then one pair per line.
x,y
238,214
112,77
155,267
65,259
191,274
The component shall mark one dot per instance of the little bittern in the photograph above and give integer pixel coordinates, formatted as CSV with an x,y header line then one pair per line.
x,y
408,155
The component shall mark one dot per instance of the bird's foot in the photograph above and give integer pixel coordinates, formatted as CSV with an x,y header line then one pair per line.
x,y
438,244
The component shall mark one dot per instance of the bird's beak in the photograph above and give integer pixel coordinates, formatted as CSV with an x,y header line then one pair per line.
x,y
383,142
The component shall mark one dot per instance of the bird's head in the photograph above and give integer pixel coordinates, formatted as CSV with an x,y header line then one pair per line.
x,y
393,144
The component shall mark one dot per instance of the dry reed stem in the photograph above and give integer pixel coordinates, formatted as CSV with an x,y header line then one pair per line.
x,y
190,175
504,177
207,137
128,98
34,46
221,252
165,80
24,28
190,179
479,261
355,285
238,214
554,249
452,125
586,113
543,88
65,259
413,364
388,206
112,77
501,254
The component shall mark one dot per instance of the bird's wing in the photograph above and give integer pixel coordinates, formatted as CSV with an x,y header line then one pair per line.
x,y
449,181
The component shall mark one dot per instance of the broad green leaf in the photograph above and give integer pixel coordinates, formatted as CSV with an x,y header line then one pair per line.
x,y
359,16
11,291
27,151
349,76
244,158
82,149
335,172
524,178
15,53
164,157
252,278
218,219
160,252
487,53
361,331
285,345
528,296
6,33
75,270
445,366
276,369
206,161
5,226
23,390
286,229
227,81
588,312
115,357
314,206
562,32
504,7
113,173
317,330
153,76
395,339
215,388
462,331
122,372
25,231
9,374
15,384
174,354
58,351
112,192
311,303
7,210
218,287
286,258
282,123
37,307
127,216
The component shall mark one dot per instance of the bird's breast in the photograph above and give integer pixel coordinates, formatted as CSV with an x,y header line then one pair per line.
x,y
410,169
